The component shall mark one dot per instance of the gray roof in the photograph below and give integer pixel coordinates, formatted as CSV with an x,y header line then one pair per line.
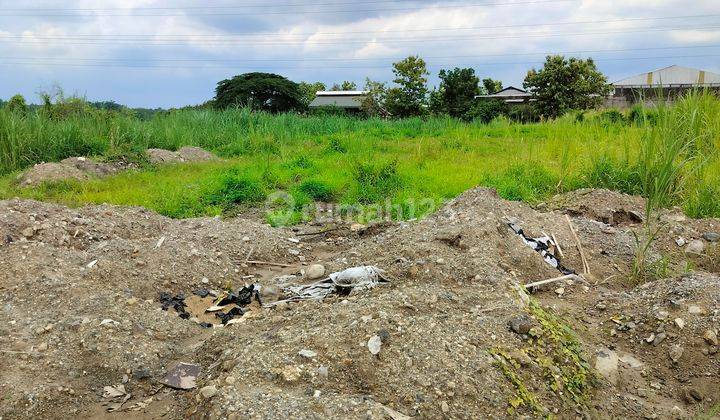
x,y
671,76
507,93
349,99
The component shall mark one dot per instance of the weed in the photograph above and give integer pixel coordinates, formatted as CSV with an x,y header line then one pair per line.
x,y
317,190
336,145
376,182
237,188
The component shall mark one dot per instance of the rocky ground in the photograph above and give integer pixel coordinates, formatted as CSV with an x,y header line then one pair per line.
x,y
82,331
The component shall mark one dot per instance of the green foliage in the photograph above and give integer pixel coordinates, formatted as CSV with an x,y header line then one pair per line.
x,y
607,172
456,93
409,97
336,145
490,86
486,110
373,105
260,91
566,84
703,201
613,116
237,188
317,190
376,182
17,105
529,182
346,85
308,91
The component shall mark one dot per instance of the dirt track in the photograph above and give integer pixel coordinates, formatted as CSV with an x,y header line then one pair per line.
x,y
79,292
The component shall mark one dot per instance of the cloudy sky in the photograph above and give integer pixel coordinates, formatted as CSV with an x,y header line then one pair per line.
x,y
164,53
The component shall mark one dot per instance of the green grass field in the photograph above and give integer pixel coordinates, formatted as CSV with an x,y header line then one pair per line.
x,y
348,160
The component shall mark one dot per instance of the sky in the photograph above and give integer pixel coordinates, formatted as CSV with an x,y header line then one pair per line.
x,y
171,53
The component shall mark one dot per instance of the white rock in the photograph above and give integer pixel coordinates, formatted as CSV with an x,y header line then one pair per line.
x,y
680,323
374,344
208,391
315,271
607,365
308,354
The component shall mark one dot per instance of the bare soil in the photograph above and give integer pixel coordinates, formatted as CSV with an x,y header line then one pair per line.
x,y
80,312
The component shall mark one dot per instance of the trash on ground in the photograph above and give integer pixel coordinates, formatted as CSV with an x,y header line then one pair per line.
x,y
116,396
182,376
544,245
177,302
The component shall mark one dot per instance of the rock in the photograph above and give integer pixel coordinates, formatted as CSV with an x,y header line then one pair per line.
x,y
631,361
710,337
315,272
230,380
711,236
560,291
521,324
357,227
650,338
680,323
680,242
323,372
444,407
308,354
606,364
374,344
51,172
692,395
676,352
141,373
182,376
195,154
695,247
42,346
28,232
659,338
208,392
695,310
289,373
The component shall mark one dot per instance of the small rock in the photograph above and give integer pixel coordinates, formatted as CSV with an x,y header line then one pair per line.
x,y
521,324
208,392
650,339
444,407
659,338
695,247
315,271
711,236
695,310
42,346
28,232
680,323
141,373
440,261
680,241
289,373
357,227
710,337
132,301
374,344
308,354
692,395
230,380
676,352
323,372
560,291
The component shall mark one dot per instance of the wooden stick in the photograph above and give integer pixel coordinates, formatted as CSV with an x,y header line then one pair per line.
x,y
268,263
557,245
552,280
586,266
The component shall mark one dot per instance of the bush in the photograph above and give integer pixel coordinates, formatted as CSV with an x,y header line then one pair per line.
x,y
376,182
612,116
237,188
328,110
17,105
640,115
487,110
336,145
605,172
317,190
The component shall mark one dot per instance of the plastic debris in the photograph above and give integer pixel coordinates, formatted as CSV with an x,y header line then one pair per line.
x,y
544,245
182,376
232,313
177,302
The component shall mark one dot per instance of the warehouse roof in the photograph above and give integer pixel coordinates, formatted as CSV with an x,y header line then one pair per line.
x,y
349,99
672,76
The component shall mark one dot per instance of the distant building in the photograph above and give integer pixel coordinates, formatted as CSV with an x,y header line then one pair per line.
x,y
666,84
510,95
349,100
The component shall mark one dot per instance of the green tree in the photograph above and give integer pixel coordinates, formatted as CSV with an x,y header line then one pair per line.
x,y
346,85
309,90
456,93
491,86
259,91
374,102
564,84
17,105
409,98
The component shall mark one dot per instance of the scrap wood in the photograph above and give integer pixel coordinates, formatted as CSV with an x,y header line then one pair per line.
x,y
554,279
586,266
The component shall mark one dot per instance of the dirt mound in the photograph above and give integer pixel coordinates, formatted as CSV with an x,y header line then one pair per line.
x,y
50,172
606,206
95,168
185,154
450,336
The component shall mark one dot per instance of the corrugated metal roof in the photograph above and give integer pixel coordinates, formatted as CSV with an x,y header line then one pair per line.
x,y
342,101
509,91
671,76
341,92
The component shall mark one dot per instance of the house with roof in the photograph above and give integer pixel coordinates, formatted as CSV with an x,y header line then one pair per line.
x,y
663,84
510,95
349,100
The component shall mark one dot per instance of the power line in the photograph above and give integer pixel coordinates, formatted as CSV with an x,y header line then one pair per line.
x,y
97,12
346,42
352,59
146,66
136,37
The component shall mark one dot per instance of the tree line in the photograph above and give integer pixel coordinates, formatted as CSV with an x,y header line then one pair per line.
x,y
561,85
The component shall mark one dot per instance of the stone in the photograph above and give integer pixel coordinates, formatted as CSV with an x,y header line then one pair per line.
x,y
560,291
444,407
230,380
680,323
659,338
308,354
676,352
695,247
315,272
141,373
28,232
680,242
711,236
692,395
606,364
289,373
695,310
710,337
374,344
182,376
42,346
323,372
208,392
631,361
521,324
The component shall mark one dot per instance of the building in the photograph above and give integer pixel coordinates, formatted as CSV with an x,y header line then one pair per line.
x,y
662,84
349,100
510,95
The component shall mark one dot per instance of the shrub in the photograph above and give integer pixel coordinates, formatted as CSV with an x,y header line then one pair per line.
x,y
529,182
487,111
605,172
317,190
17,105
612,116
237,188
336,145
376,182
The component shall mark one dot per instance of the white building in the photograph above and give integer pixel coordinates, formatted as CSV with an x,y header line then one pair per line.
x,y
349,100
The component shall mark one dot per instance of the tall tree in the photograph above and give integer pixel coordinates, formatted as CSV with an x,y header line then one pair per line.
x,y
346,85
374,102
309,89
564,84
491,86
259,91
409,97
456,93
